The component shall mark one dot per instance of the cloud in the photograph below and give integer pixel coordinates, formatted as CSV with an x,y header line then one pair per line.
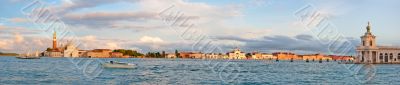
x,y
112,45
73,5
148,39
5,44
18,38
304,37
90,38
18,20
95,20
299,43
9,30
144,18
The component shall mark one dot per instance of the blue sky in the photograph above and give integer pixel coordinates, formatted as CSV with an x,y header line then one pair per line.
x,y
253,25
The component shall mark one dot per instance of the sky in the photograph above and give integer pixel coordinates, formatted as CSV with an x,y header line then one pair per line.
x,y
251,25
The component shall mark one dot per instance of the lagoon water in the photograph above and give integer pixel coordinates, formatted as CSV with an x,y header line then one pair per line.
x,y
191,71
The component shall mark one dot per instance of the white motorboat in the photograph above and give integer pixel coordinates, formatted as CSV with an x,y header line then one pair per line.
x,y
121,65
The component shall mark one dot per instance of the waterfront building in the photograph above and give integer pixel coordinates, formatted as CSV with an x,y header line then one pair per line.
x,y
259,56
99,53
315,57
341,58
237,54
268,56
82,53
171,55
71,51
197,55
117,55
286,56
256,55
369,52
185,54
214,56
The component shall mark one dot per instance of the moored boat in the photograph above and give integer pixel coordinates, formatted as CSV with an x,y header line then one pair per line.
x,y
29,56
121,65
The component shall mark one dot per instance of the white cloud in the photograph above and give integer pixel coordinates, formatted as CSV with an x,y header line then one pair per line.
x,y
18,38
5,44
148,39
90,38
112,45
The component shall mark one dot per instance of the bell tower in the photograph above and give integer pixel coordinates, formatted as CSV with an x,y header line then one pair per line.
x,y
54,40
368,39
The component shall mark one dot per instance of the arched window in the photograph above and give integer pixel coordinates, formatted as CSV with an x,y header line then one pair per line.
x,y
363,43
381,56
370,43
398,56
391,55
386,57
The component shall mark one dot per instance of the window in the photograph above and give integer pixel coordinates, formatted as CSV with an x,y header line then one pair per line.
x,y
386,57
391,55
381,56
370,43
398,56
363,43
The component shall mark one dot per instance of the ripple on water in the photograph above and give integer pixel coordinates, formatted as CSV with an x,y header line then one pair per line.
x,y
184,71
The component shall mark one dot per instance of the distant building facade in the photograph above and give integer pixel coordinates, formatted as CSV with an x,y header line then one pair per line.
x,y
237,54
341,58
99,53
171,55
196,55
214,56
260,56
315,57
71,51
286,56
117,55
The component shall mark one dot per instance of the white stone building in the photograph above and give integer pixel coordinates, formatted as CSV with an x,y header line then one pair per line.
x,y
237,54
171,55
369,52
71,51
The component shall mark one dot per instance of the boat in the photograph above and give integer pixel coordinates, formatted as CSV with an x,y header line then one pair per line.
x,y
121,65
29,56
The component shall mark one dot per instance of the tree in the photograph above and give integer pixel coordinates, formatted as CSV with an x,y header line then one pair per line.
x,y
49,49
177,54
158,55
248,55
129,52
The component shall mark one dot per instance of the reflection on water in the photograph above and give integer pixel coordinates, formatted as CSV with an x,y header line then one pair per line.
x,y
187,71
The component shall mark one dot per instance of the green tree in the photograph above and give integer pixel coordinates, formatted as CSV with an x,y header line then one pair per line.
x,y
248,55
128,52
158,55
49,49
177,54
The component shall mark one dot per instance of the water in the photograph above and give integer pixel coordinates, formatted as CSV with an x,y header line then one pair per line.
x,y
188,71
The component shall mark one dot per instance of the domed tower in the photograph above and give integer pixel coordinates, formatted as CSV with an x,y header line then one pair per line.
x,y
367,51
368,40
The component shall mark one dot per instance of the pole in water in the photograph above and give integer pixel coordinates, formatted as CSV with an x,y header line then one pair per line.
x,y
320,60
307,60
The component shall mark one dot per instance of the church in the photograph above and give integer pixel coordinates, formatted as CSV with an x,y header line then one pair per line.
x,y
368,52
